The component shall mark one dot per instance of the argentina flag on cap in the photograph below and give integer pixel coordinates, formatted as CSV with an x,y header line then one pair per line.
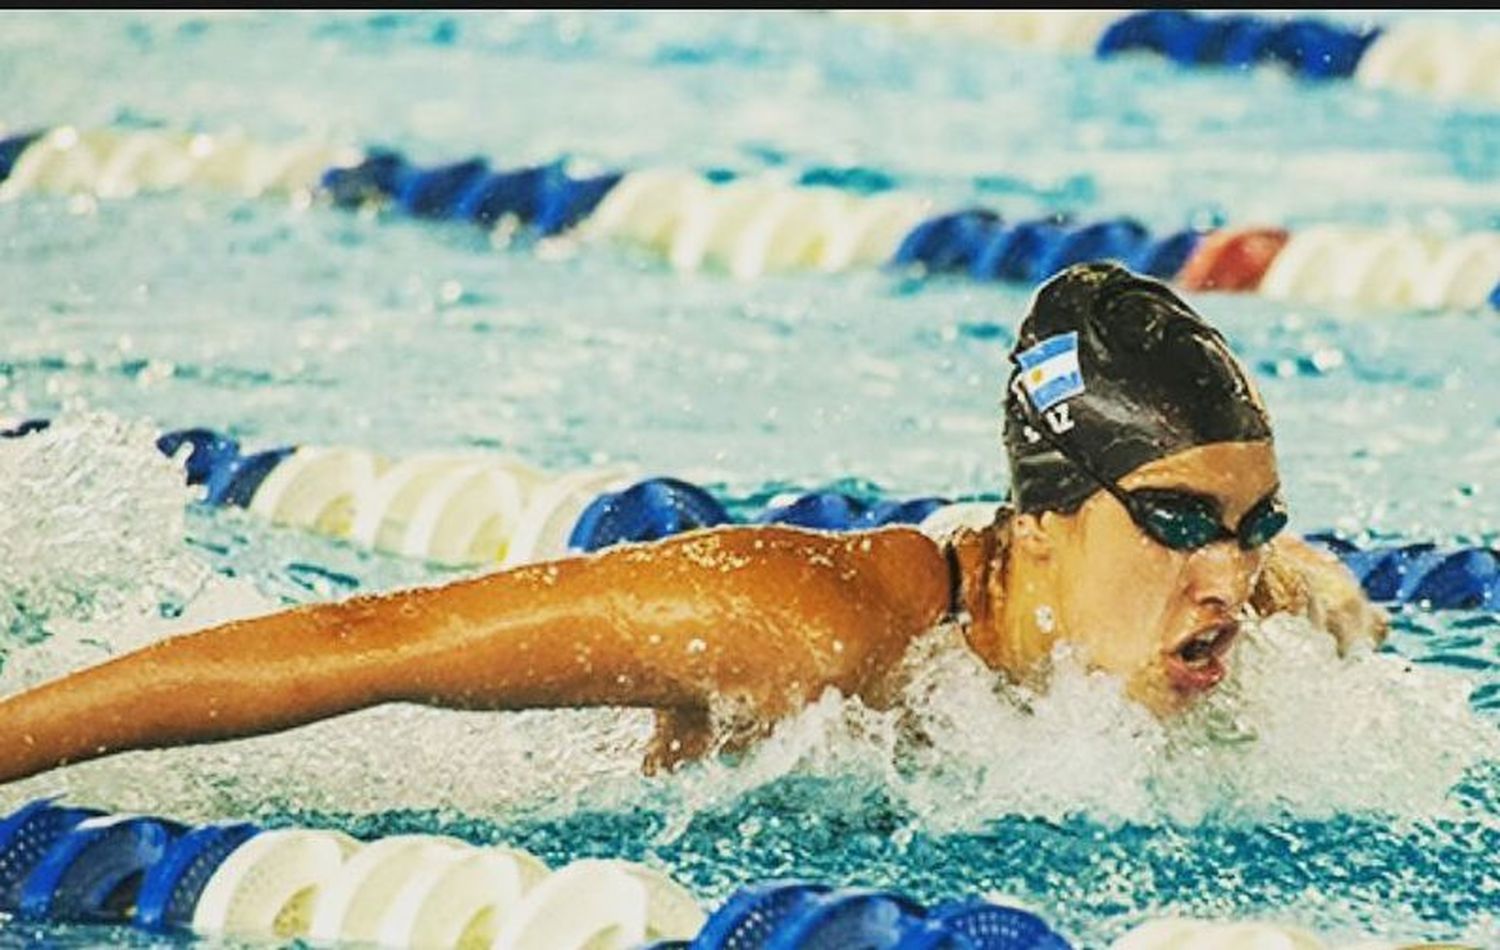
x,y
1049,371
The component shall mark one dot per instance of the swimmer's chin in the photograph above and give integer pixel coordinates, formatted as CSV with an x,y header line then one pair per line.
x,y
1166,698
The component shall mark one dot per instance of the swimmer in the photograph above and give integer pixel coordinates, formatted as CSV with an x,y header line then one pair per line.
x,y
1143,527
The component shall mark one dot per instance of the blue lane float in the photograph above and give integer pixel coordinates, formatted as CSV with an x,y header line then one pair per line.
x,y
544,197
837,511
12,148
788,915
171,887
1462,579
547,200
25,427
27,836
977,242
215,462
1423,574
94,872
646,511
1420,574
1309,48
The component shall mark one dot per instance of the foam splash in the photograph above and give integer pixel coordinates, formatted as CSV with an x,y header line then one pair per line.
x,y
1299,730
1296,731
376,760
91,525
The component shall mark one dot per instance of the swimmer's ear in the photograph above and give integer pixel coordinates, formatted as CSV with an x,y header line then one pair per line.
x,y
1030,537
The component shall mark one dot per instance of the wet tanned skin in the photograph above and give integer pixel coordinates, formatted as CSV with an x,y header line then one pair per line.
x,y
1125,601
766,617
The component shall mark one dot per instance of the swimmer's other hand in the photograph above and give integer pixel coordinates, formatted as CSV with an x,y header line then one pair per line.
x,y
1326,591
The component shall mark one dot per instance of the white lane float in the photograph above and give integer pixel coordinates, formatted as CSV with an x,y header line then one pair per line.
x,y
432,891
453,509
1182,934
1440,59
1390,267
269,886
450,508
553,509
469,514
116,164
871,231
646,208
352,903
789,232
944,521
459,898
753,227
600,905
315,488
710,228
1463,273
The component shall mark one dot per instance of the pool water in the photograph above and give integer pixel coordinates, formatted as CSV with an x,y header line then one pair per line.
x,y
1356,797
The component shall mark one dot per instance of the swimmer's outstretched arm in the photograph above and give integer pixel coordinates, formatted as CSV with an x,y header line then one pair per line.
x,y
770,615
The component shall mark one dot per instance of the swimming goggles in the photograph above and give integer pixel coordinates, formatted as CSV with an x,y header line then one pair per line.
x,y
1186,521
1177,519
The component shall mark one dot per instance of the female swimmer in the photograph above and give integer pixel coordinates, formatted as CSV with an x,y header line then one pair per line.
x,y
1143,527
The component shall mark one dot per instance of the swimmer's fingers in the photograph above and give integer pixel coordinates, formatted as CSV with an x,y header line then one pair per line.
x,y
1334,599
681,735
1352,619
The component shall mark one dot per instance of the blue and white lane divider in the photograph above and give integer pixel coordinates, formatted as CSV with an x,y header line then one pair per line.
x,y
789,915
65,865
753,226
475,509
61,865
1441,58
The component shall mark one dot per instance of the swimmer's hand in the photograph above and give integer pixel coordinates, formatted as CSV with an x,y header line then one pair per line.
x,y
1300,578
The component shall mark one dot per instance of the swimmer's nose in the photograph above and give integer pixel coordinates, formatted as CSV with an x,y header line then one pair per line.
x,y
1222,575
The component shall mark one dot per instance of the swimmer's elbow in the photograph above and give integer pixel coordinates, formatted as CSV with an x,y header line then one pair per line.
x,y
911,574
900,590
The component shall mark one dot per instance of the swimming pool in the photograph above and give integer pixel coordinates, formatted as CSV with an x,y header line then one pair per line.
x,y
1355,799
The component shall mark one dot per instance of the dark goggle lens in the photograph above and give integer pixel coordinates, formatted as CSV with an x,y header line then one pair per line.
x,y
1262,523
1185,523
1180,523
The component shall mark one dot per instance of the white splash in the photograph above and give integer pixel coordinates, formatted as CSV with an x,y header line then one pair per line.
x,y
91,524
1295,731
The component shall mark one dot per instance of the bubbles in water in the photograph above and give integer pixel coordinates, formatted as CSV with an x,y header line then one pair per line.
x,y
398,756
1295,731
91,524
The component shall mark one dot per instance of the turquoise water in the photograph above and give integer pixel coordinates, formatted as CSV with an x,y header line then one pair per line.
x,y
1366,803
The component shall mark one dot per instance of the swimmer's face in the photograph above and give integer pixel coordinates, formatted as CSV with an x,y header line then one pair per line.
x,y
1161,619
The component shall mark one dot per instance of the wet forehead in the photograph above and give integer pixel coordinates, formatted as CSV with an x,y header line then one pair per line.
x,y
1238,474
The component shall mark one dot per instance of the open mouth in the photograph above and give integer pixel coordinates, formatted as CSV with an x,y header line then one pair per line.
x,y
1196,664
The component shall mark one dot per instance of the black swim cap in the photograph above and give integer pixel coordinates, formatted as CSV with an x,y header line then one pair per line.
x,y
1121,372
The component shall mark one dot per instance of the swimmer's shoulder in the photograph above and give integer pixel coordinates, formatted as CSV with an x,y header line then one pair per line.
x,y
972,537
